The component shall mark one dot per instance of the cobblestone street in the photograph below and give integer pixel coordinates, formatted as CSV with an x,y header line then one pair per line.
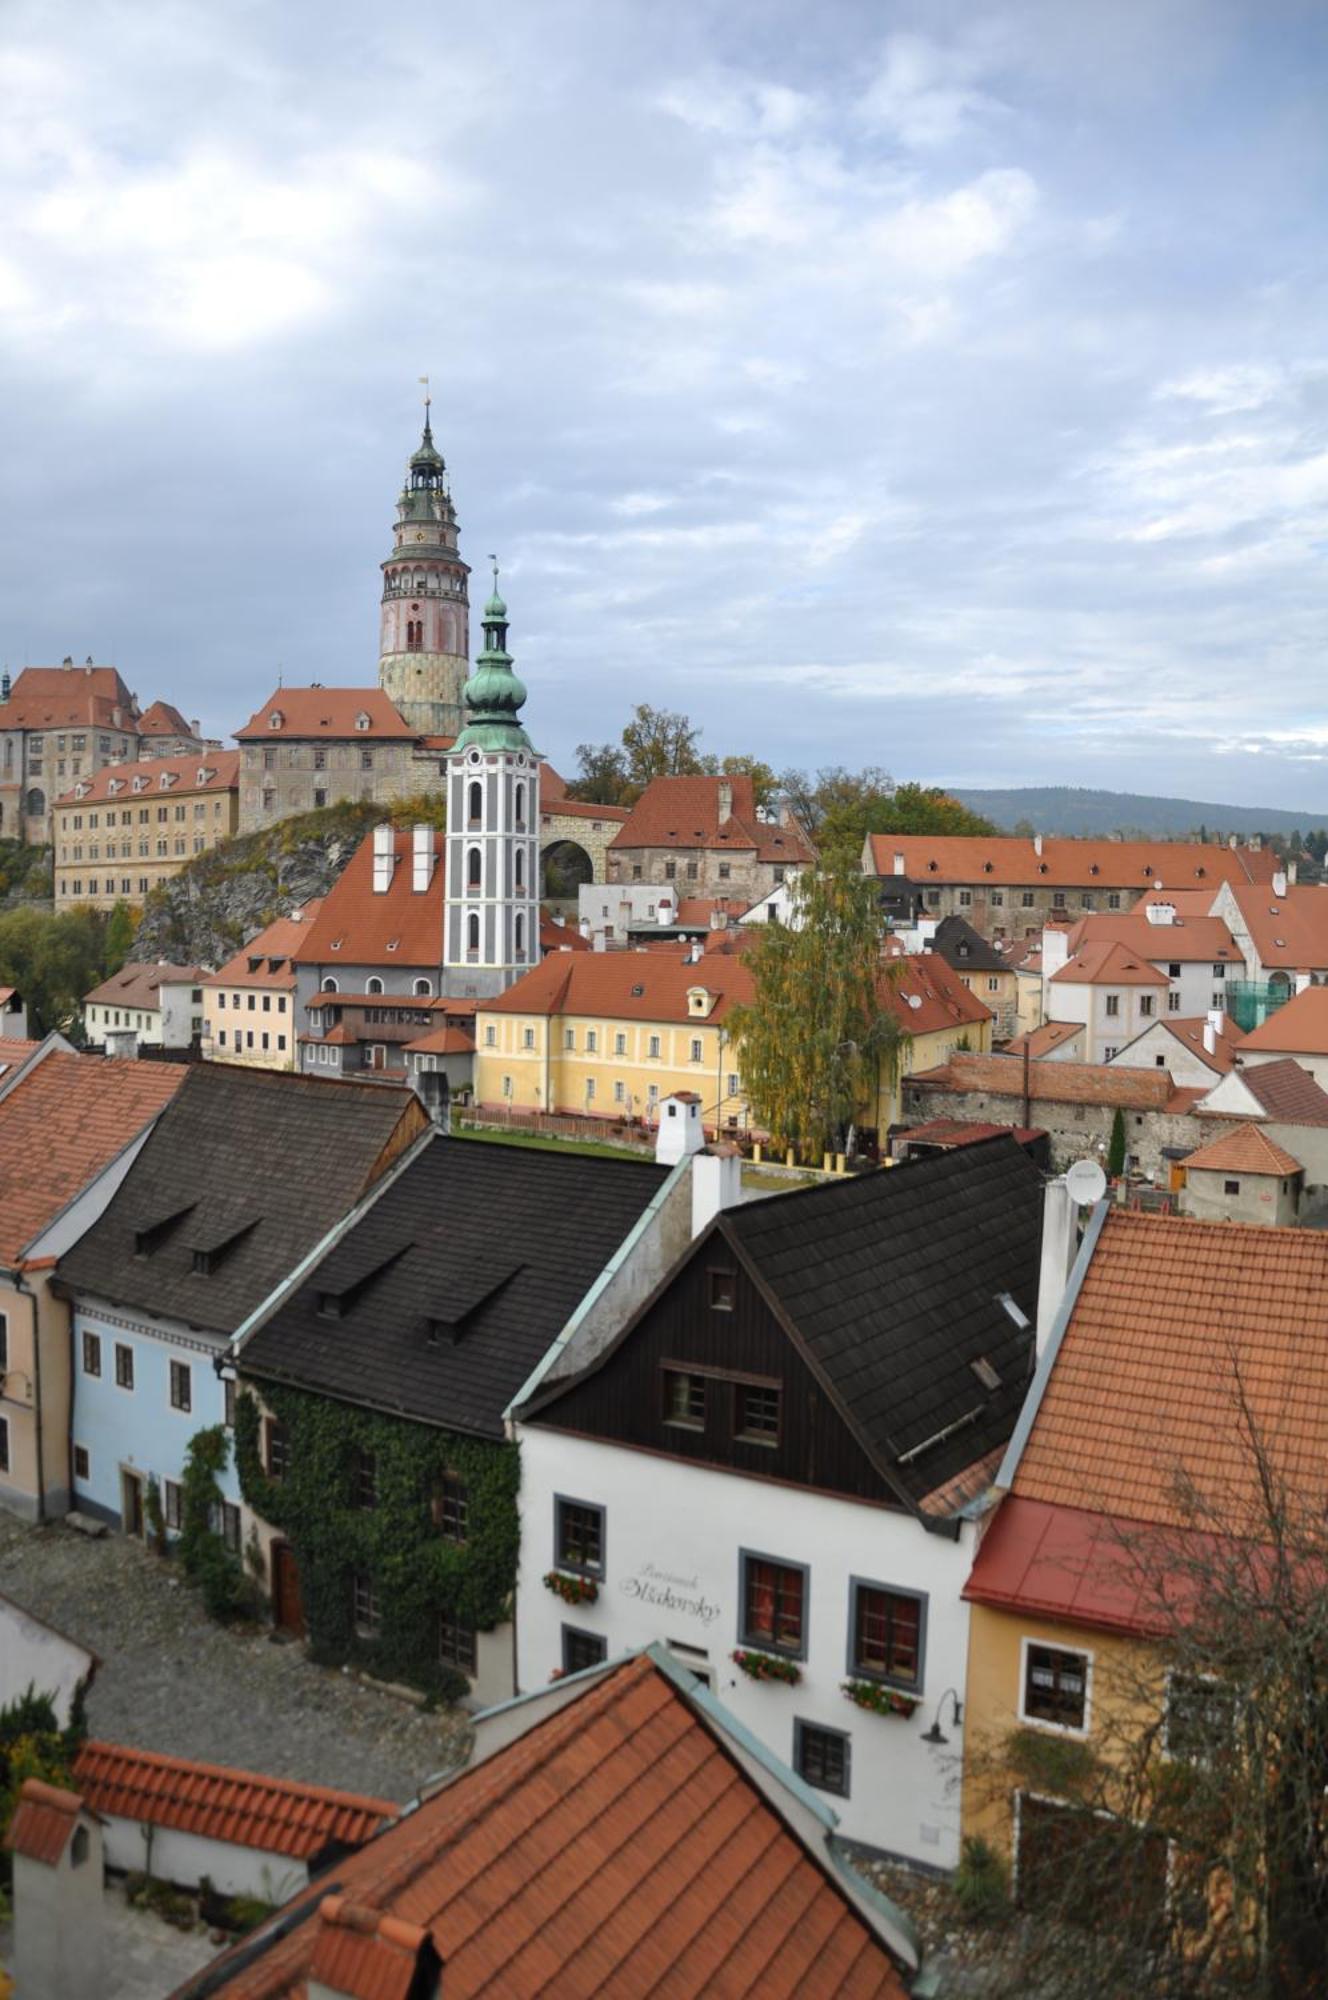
x,y
171,1680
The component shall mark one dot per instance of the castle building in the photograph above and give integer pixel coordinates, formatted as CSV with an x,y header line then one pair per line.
x,y
58,724
424,644
493,826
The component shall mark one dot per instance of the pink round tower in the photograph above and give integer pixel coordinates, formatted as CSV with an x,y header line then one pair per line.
x,y
424,644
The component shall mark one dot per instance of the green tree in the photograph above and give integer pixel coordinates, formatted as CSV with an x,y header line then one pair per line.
x,y
765,784
839,808
119,937
1116,1149
660,743
53,960
819,1036
601,775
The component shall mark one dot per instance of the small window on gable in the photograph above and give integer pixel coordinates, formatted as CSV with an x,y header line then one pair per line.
x,y
361,720
721,1290
275,719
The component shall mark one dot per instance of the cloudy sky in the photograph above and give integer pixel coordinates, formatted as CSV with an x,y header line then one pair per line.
x,y
938,386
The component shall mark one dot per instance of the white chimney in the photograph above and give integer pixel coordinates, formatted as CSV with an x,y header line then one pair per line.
x,y
1037,845
899,864
1055,951
725,801
1160,913
1209,1037
666,908
584,927
421,859
716,1184
1279,882
384,859
1058,1248
679,1131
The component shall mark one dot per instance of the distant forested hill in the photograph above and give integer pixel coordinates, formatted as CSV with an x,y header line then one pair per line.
x,y
1066,809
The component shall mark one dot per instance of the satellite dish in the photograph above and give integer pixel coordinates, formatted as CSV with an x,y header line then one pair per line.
x,y
1085,1183
915,1000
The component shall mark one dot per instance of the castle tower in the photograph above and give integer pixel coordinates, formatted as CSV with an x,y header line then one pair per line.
x,y
424,642
492,898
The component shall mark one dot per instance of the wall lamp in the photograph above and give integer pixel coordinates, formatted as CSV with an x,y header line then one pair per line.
x,y
936,1734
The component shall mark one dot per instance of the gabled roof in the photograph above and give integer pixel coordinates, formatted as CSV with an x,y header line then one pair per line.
x,y
451,1321
122,784
889,1286
1174,1323
626,986
269,959
216,1802
1287,1093
927,994
269,1159
43,1822
1043,1041
1246,1150
61,1125
1005,861
402,926
140,985
323,713
685,813
1055,1081
631,1837
1189,1031
1300,1028
1190,940
965,949
164,719
14,1053
444,1041
1107,964
69,697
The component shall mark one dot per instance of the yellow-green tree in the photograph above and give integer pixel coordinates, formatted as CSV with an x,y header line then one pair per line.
x,y
819,1035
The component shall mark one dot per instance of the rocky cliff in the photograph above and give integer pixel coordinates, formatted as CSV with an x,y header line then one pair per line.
x,y
223,898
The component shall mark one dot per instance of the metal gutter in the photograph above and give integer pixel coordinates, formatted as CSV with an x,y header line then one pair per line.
x,y
1069,1299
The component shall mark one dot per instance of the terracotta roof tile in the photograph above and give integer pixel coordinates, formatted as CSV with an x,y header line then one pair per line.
x,y
1008,861
61,1124
617,1846
275,1815
1189,939
1107,964
560,937
1291,930
1055,1081
43,1822
65,697
626,986
1300,1028
1246,1150
1287,1093
1041,1041
1189,1030
153,775
275,950
140,985
403,926
13,1050
941,997
1143,1393
443,1042
684,813
163,719
323,713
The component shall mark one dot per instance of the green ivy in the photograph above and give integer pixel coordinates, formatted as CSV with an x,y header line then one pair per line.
x,y
418,1575
204,1557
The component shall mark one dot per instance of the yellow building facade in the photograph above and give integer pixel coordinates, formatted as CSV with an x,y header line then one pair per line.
x,y
130,827
250,1004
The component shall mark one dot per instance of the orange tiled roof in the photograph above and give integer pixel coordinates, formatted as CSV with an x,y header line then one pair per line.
x,y
61,1124
626,986
1299,1028
943,1000
616,1844
560,937
1246,1150
401,927
1189,939
443,1042
1104,963
163,719
281,941
324,713
1143,1393
69,697
1289,931
140,985
1041,1041
684,812
123,783
276,1815
1006,861
1056,1082
43,1821
1189,1029
14,1050
1284,1091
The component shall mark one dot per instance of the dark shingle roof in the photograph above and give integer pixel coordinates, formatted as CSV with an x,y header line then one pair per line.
x,y
891,1282
965,949
455,1282
250,1167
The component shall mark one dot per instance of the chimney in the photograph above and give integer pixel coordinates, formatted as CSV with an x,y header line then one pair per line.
x,y
1055,951
716,1184
1160,913
194,729
679,1131
1279,882
1037,845
899,864
1058,1248
384,859
665,908
121,1044
421,859
59,1937
1209,1037
725,801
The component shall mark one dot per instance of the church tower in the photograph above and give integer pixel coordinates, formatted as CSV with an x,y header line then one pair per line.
x,y
424,642
492,899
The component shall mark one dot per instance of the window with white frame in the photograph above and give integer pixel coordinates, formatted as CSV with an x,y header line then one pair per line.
x,y
1054,1687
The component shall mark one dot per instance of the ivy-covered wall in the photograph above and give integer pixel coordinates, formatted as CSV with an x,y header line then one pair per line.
x,y
418,1573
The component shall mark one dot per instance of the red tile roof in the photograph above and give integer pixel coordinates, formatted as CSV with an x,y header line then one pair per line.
x,y
43,1822
14,1050
275,950
125,782
275,1815
1041,1041
1054,1081
1066,1563
618,1846
163,719
323,713
67,697
1189,939
1300,1028
443,1042
560,937
359,1950
355,926
1107,964
1189,1029
1289,931
1286,1092
61,1124
1246,1150
684,813
626,986
928,994
140,985
1009,861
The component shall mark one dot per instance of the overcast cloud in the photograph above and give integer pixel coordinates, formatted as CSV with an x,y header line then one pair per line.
x,y
936,386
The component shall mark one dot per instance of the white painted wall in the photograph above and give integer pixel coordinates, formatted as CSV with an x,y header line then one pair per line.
x,y
36,1655
666,1520
59,1922
185,1858
1187,1067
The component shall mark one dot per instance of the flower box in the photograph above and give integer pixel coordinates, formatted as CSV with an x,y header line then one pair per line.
x,y
767,1667
572,1589
880,1700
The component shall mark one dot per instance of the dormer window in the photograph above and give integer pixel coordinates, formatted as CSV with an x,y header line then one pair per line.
x,y
205,776
699,1000
276,719
141,784
116,785
361,720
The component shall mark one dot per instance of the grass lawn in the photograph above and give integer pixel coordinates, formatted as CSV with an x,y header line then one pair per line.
x,y
540,1144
